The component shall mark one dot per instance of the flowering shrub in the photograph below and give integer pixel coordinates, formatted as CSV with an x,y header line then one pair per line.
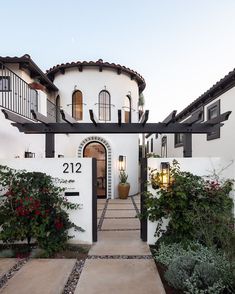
x,y
197,209
31,207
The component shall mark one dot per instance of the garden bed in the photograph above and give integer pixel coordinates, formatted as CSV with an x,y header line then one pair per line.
x,y
161,270
33,251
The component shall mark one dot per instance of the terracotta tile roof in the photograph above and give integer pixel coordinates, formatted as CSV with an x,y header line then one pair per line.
x,y
223,85
26,62
100,64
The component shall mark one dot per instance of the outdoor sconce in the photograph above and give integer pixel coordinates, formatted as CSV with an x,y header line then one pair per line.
x,y
165,174
122,162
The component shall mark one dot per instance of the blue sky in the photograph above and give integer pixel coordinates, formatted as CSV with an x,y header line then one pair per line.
x,y
180,47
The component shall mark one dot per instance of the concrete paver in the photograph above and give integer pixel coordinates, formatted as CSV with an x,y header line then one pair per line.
x,y
132,223
120,201
120,206
6,264
99,213
126,276
119,243
47,276
120,213
100,206
99,201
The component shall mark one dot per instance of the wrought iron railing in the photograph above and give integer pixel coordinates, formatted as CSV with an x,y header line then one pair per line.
x,y
15,94
53,112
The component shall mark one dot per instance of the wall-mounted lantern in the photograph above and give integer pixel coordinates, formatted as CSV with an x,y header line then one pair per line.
x,y
165,174
122,162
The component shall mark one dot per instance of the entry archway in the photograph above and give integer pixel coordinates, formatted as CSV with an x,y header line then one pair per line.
x,y
98,151
108,171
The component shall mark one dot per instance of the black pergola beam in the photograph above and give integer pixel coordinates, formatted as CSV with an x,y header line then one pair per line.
x,y
195,118
50,145
217,120
92,117
145,117
114,128
119,117
67,118
15,117
40,117
170,118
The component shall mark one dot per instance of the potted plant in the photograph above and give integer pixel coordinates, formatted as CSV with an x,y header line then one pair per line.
x,y
124,186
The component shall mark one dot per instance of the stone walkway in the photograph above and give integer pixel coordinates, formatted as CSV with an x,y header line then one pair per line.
x,y
118,263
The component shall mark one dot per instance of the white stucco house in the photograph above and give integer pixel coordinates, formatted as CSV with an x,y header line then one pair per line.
x,y
221,143
76,88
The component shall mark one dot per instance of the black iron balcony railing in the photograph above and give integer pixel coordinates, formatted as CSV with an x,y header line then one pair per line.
x,y
53,112
15,94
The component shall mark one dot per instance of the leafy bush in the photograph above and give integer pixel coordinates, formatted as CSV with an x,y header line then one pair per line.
x,y
166,253
31,207
211,271
197,209
180,270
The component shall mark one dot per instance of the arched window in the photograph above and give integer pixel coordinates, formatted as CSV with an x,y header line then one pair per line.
x,y
104,106
77,105
127,108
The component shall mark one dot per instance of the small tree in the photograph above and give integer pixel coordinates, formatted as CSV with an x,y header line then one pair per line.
x,y
31,207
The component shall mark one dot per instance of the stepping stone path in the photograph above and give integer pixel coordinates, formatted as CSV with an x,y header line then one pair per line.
x,y
118,263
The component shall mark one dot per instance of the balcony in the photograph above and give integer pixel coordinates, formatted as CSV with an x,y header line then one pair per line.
x,y
15,94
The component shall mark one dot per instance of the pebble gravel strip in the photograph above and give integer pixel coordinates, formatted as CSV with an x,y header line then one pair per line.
x,y
7,276
136,208
71,284
120,257
102,215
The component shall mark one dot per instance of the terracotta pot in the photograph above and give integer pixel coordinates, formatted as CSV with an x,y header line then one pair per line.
x,y
123,190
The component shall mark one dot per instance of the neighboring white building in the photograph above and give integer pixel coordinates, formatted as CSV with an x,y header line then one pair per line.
x,y
217,100
74,87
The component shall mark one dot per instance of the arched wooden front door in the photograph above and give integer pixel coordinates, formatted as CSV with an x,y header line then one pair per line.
x,y
98,151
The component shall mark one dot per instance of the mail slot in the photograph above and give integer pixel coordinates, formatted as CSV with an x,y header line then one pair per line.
x,y
71,194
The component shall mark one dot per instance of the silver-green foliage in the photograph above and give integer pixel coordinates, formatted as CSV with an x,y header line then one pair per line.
x,y
179,271
195,269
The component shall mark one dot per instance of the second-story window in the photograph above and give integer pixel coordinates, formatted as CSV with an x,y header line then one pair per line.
x,y
104,106
77,104
4,83
127,108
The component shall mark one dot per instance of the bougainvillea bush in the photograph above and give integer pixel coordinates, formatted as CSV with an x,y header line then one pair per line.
x,y
32,208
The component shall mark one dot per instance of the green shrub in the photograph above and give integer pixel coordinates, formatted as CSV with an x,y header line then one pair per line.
x,y
180,270
32,207
212,271
166,253
197,209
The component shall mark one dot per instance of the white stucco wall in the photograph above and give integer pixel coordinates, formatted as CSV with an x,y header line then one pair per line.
x,y
223,146
90,82
82,184
224,167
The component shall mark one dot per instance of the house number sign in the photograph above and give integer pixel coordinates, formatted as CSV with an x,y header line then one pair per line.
x,y
72,168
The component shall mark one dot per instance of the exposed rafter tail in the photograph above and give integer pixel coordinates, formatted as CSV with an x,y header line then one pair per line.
x,y
14,117
67,118
92,117
119,117
170,118
40,117
145,117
